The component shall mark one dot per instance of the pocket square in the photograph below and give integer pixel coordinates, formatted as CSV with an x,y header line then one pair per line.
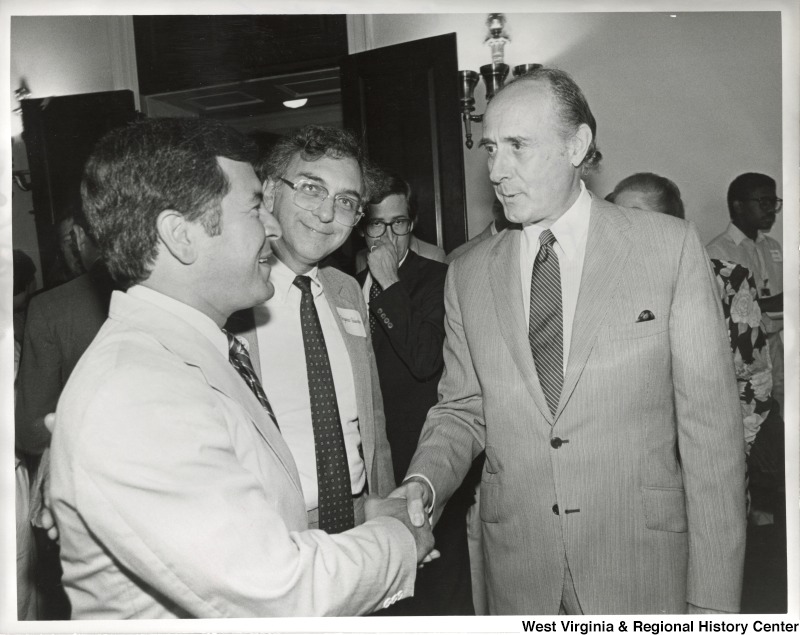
x,y
646,316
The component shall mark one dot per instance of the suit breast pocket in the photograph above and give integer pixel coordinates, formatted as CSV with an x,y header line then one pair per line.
x,y
635,330
665,509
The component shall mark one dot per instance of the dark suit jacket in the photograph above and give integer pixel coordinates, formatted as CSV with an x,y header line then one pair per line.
x,y
61,324
408,349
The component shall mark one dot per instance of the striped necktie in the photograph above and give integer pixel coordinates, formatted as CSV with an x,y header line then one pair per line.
x,y
546,324
333,470
240,360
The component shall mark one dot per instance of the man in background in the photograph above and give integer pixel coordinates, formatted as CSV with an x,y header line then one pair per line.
x,y
753,206
405,295
62,322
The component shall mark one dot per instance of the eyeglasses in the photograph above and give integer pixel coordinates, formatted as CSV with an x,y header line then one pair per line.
x,y
376,228
768,203
310,196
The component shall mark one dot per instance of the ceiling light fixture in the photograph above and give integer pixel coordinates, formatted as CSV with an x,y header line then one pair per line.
x,y
295,103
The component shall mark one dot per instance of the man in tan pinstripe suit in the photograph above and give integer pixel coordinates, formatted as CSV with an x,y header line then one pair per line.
x,y
614,475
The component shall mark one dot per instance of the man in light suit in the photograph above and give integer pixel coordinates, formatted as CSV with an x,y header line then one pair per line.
x,y
315,181
173,488
586,354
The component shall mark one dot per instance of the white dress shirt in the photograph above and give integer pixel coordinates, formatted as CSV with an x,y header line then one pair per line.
x,y
194,317
570,230
284,375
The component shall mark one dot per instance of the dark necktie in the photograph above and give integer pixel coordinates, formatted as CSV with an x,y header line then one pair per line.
x,y
545,328
240,360
333,470
374,292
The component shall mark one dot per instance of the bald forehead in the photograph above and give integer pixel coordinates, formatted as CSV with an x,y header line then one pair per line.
x,y
522,93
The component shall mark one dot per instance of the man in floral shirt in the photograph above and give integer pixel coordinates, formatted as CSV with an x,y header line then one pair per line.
x,y
753,207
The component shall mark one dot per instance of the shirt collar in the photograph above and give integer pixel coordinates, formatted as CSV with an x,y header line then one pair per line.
x,y
570,227
738,236
197,319
403,259
282,279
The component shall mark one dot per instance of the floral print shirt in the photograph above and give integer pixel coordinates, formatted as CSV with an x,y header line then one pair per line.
x,y
748,341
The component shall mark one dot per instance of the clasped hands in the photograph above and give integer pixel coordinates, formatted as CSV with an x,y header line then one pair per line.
x,y
407,503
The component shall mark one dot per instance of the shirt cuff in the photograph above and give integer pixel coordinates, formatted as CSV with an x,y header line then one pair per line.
x,y
429,509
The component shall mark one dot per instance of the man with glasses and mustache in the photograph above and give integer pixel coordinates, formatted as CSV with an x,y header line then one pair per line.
x,y
310,342
753,207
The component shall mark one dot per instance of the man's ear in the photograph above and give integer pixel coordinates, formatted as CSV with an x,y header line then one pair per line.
x,y
268,190
579,144
736,210
178,235
79,237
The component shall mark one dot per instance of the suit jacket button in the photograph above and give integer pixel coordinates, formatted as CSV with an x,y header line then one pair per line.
x,y
556,443
555,509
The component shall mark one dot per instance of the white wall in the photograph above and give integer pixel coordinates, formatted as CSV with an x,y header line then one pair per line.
x,y
63,55
696,98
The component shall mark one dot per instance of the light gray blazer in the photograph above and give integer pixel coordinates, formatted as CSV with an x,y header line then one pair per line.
x,y
639,478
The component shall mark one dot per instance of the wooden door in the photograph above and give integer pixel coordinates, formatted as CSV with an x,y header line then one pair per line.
x,y
403,100
59,133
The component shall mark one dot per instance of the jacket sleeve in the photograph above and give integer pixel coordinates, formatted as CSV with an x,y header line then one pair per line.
x,y
455,430
160,483
39,382
414,324
710,434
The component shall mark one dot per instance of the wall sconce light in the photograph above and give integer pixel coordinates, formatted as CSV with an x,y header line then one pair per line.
x,y
494,74
23,92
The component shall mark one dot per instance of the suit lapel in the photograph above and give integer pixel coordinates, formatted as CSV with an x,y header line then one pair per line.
x,y
195,350
338,297
607,250
507,294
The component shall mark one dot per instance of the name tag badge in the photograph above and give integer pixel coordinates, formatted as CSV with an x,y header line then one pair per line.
x,y
352,322
777,255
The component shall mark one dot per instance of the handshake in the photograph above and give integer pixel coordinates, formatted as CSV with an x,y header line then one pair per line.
x,y
408,503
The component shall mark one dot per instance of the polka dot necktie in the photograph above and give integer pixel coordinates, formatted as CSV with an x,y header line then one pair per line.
x,y
240,360
545,328
374,292
333,470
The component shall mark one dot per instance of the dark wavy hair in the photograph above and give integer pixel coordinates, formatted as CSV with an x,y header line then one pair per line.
x,y
745,184
312,143
387,184
663,194
136,172
572,107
